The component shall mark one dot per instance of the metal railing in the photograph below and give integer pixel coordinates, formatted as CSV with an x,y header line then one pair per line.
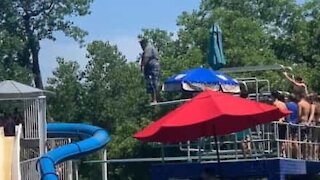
x,y
274,140
264,138
31,124
255,83
28,153
64,170
29,169
35,121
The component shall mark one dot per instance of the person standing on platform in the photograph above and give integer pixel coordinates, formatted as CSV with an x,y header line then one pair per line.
x,y
313,121
299,86
150,66
293,120
279,102
316,132
245,134
304,114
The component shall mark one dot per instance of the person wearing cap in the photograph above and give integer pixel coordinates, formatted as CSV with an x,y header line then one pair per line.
x,y
150,66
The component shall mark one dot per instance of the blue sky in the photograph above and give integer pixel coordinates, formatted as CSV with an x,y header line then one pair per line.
x,y
118,21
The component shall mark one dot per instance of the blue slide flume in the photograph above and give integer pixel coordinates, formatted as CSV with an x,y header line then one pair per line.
x,y
94,137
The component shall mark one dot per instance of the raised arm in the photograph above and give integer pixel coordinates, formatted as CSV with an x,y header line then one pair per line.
x,y
305,88
295,82
289,78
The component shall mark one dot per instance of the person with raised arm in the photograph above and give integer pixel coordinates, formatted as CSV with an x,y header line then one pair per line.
x,y
299,86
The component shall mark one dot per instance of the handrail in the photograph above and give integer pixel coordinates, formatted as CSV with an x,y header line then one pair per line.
x,y
269,142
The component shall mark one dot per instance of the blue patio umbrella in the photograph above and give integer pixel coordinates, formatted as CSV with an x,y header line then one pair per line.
x,y
198,79
216,58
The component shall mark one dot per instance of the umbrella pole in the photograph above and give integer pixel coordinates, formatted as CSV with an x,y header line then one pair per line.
x,y
218,156
162,153
217,149
216,142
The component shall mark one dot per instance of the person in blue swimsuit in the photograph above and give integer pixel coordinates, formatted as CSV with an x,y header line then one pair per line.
x,y
293,120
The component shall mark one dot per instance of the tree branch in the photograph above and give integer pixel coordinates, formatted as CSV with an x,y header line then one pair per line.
x,y
43,9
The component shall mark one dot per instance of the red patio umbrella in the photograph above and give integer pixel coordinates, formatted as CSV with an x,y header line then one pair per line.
x,y
209,114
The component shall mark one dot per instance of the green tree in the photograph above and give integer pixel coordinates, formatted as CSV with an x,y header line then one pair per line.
x,y
34,21
65,105
10,68
115,99
258,33
245,38
101,81
300,44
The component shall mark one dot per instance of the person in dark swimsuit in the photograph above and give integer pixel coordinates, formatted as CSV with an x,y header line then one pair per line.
x,y
150,66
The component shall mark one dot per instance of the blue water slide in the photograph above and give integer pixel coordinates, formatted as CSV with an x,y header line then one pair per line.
x,y
94,137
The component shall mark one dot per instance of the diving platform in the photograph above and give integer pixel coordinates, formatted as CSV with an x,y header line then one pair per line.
x,y
271,169
265,160
256,68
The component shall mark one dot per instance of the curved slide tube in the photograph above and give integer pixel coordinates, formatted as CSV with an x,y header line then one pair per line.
x,y
97,138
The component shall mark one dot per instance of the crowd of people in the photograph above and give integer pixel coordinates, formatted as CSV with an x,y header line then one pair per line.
x,y
9,121
301,125
299,133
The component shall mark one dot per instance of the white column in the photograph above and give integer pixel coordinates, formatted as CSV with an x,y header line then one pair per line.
x,y
76,170
70,166
42,124
104,165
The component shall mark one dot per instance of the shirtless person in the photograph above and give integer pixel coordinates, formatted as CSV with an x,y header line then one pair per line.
x,y
304,113
278,101
314,120
299,86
